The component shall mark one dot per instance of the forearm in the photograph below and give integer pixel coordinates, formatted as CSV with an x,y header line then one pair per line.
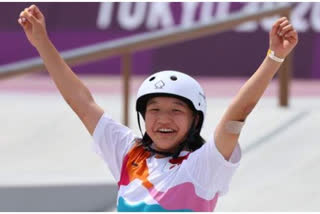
x,y
250,93
282,39
72,89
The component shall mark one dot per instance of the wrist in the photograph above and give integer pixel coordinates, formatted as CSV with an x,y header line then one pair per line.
x,y
43,43
275,57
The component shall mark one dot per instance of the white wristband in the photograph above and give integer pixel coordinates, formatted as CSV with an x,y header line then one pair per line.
x,y
273,57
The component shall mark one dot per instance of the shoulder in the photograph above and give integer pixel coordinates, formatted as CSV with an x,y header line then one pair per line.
x,y
209,152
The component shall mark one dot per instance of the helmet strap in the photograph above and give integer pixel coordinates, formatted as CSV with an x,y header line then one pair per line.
x,y
149,148
138,118
185,142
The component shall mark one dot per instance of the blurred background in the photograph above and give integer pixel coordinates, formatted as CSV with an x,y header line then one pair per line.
x,y
45,151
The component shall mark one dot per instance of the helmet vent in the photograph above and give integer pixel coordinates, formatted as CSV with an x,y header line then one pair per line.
x,y
173,78
152,78
199,104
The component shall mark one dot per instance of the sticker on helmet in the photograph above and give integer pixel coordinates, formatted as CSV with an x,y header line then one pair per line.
x,y
159,84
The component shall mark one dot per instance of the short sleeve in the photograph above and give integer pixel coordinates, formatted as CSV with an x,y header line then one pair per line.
x,y
111,141
210,170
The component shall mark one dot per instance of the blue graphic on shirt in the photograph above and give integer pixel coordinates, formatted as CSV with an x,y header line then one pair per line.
x,y
123,206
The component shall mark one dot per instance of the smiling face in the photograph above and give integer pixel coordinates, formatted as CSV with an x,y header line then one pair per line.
x,y
167,122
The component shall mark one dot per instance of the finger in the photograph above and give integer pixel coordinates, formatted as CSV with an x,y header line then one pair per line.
x,y
22,17
284,23
24,13
20,22
31,10
292,40
23,22
285,29
36,11
30,17
21,14
293,32
292,35
276,25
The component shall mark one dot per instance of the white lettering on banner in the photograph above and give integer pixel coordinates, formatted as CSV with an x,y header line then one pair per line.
x,y
159,16
131,16
298,16
206,12
315,17
250,26
188,13
104,15
267,23
128,20
222,10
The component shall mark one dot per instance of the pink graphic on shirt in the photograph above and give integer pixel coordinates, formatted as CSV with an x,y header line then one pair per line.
x,y
124,178
184,197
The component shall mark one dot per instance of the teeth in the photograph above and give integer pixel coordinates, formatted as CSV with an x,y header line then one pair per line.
x,y
165,130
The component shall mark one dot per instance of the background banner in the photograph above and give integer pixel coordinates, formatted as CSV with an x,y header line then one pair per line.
x,y
234,53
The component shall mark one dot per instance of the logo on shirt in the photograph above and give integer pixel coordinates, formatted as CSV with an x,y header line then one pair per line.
x,y
176,162
134,164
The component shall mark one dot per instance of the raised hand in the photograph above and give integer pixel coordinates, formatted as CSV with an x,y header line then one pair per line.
x,y
33,23
283,37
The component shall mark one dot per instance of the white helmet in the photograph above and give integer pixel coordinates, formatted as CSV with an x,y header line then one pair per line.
x,y
172,83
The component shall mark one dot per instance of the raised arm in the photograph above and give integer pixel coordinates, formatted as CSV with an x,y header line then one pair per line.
x,y
283,38
75,93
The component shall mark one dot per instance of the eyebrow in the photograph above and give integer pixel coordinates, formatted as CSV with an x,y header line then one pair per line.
x,y
151,102
180,103
175,102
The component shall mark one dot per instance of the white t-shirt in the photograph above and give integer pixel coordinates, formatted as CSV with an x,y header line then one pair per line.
x,y
192,182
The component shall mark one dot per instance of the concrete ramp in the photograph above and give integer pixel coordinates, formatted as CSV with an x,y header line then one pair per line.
x,y
58,198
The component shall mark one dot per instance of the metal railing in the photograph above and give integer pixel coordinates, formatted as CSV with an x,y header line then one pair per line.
x,y
126,46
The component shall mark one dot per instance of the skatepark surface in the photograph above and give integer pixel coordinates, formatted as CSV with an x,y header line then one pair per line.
x,y
48,163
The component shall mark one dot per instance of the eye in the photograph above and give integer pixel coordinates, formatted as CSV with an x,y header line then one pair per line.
x,y
176,110
153,109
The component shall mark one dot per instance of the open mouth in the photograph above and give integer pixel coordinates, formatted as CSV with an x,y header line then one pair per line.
x,y
166,131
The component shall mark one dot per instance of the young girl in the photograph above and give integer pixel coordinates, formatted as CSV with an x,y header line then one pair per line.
x,y
170,168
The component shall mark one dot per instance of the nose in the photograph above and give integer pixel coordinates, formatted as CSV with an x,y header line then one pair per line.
x,y
164,117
